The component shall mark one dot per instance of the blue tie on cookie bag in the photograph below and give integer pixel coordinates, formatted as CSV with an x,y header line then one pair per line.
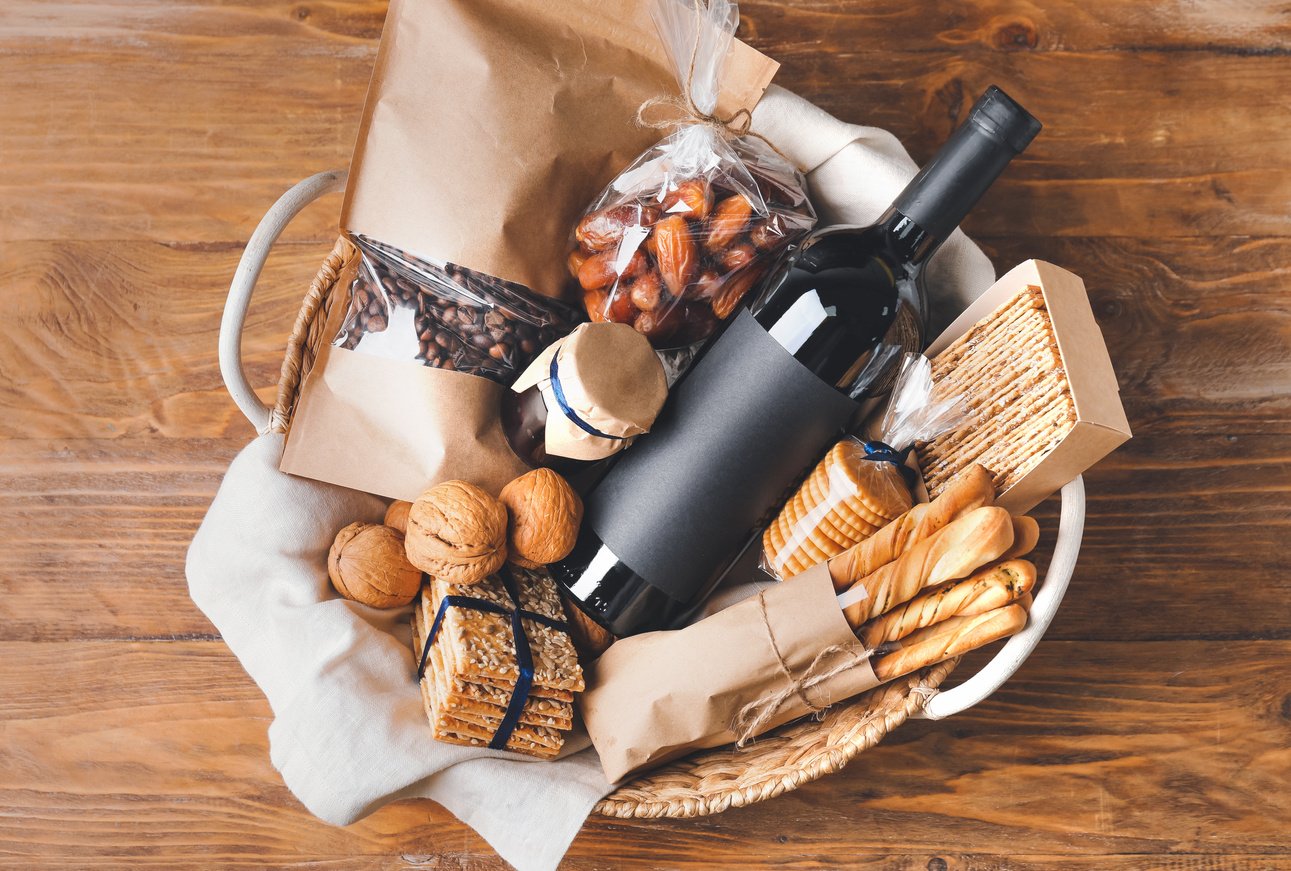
x,y
524,656
882,452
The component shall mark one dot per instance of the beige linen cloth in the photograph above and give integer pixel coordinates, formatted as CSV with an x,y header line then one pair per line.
x,y
349,734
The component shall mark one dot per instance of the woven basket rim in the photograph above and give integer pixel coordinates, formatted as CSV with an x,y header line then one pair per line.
x,y
709,781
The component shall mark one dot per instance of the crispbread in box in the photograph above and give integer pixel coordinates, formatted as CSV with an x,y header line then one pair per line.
x,y
1083,406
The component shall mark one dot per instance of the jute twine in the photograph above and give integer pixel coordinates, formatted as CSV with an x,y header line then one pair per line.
x,y
682,110
754,717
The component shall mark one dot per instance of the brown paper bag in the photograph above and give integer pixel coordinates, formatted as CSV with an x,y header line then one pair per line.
x,y
393,427
660,695
488,126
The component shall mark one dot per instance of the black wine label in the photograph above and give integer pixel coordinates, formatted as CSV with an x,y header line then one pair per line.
x,y
737,431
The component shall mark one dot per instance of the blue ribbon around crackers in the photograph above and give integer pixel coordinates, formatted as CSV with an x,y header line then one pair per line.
x,y
524,655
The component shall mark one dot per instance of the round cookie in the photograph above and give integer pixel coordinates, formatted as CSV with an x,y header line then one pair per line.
x,y
814,520
783,561
804,554
809,548
843,493
885,502
843,513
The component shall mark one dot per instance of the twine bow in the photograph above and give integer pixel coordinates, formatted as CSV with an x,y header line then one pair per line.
x,y
753,718
682,110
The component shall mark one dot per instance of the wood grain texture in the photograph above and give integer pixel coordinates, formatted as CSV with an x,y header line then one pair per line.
x,y
174,122
141,142
118,339
183,718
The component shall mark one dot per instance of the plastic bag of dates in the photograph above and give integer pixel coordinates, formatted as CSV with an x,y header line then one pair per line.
x,y
676,241
446,316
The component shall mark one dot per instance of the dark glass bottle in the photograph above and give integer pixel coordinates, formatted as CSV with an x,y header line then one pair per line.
x,y
667,521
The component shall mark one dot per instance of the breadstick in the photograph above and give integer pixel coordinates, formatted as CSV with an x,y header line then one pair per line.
x,y
954,637
986,589
971,489
955,551
1026,535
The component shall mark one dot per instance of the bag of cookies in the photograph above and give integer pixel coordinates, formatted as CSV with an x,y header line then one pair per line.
x,y
861,485
679,238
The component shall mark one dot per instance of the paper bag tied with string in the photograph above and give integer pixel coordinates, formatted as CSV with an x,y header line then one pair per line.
x,y
762,662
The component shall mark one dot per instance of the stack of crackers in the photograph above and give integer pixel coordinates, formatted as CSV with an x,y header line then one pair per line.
x,y
471,668
844,501
1008,368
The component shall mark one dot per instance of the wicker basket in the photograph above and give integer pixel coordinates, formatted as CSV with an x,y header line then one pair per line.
x,y
709,781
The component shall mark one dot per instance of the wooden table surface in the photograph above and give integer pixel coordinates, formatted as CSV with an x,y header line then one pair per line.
x,y
141,141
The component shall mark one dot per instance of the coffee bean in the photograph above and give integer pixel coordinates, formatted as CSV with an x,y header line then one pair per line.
x,y
462,320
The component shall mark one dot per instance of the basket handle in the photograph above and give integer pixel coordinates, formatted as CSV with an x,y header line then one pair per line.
x,y
1071,526
289,205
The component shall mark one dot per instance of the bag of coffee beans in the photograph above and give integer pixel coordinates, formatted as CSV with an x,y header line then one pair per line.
x,y
447,316
405,388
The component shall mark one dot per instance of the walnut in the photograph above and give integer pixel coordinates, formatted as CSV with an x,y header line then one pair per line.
x,y
397,516
545,515
457,532
367,564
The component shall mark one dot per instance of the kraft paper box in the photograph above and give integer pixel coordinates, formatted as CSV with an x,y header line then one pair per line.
x,y
1101,425
660,695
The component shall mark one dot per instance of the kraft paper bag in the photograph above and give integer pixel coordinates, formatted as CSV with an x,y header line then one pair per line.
x,y
491,124
661,695
393,427
488,126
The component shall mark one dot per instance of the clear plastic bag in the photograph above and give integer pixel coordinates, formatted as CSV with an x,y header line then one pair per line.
x,y
861,486
446,316
680,237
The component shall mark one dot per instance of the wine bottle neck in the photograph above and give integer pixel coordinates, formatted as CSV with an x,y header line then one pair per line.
x,y
950,184
908,240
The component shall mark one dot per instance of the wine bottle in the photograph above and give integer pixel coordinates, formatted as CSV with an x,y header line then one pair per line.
x,y
768,396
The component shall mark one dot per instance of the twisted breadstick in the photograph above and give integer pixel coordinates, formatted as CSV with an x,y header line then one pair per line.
x,y
954,551
954,637
969,490
1026,535
986,589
